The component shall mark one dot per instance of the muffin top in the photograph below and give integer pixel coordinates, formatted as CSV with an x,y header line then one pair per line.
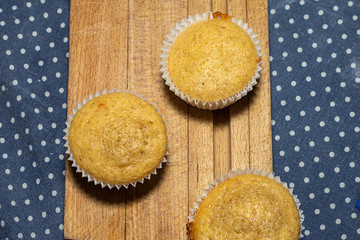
x,y
247,207
117,138
212,60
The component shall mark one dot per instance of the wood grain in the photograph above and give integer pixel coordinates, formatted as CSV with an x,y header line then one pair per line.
x,y
98,53
116,44
158,209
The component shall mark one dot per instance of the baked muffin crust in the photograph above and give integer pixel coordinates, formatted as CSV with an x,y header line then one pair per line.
x,y
117,138
247,207
212,60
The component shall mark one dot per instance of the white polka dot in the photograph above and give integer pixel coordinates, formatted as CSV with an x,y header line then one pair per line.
x,y
62,25
20,235
292,133
32,235
350,3
297,148
332,104
295,35
325,26
302,113
24,185
337,169
298,98
322,227
317,211
333,55
342,84
301,164
314,45
57,210
57,74
7,171
343,237
37,181
313,93
310,31
304,64
10,187
326,190
16,219
353,215
272,11
5,156
277,137
342,185
331,154
41,197
337,119
326,139
286,169
27,201
61,227
13,203
31,18
357,179
50,176
47,231
65,40
347,149
299,49
319,59
285,54
37,48
321,175
54,193
344,36
30,218
291,21
282,153
306,16
48,30
329,40
43,214
287,118
340,21
311,143
307,128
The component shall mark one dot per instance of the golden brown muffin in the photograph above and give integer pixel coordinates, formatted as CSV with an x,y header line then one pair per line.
x,y
117,138
212,60
247,207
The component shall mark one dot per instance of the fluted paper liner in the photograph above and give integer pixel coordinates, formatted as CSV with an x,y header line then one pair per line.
x,y
239,172
169,42
78,168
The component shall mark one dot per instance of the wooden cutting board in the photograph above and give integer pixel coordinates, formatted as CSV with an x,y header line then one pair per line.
x,y
116,44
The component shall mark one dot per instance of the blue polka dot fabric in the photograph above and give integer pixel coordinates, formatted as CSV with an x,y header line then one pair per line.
x,y
33,96
315,80
315,85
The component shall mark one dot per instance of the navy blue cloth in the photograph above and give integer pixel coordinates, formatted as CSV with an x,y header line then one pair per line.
x,y
33,96
315,86
315,74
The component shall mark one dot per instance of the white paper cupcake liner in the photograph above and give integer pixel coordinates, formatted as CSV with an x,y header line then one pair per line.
x,y
169,42
78,168
239,172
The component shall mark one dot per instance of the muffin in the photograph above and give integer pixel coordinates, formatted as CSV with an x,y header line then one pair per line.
x,y
247,207
117,139
214,61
